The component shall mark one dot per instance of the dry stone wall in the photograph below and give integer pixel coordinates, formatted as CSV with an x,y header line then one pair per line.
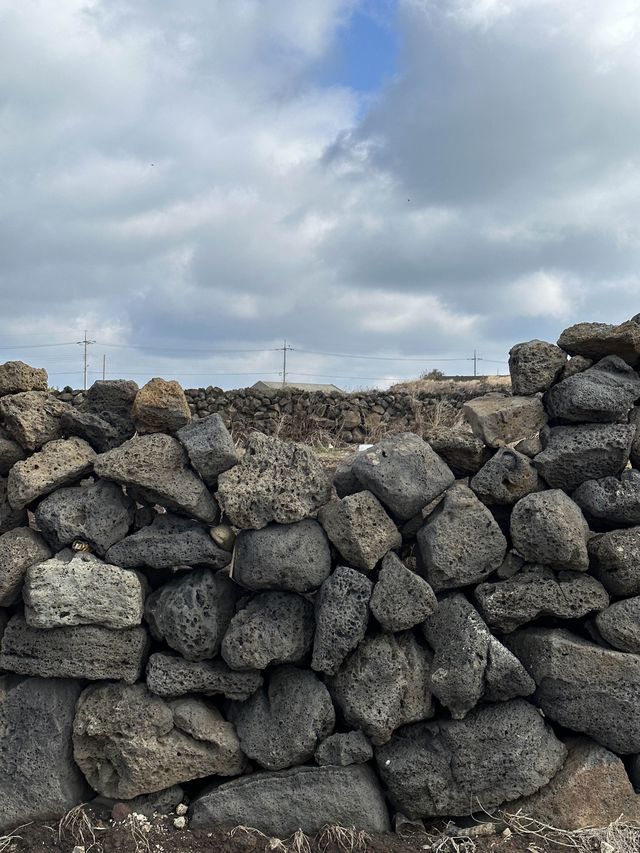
x,y
443,628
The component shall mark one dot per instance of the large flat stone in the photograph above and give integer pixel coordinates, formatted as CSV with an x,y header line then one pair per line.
x,y
498,420
33,418
170,676
602,394
596,340
611,501
59,463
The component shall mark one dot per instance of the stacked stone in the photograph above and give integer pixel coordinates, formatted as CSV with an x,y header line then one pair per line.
x,y
448,627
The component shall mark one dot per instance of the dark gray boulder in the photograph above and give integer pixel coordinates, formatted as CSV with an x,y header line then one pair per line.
x,y
583,686
282,724
273,628
497,420
171,676
460,543
344,748
104,416
306,798
169,542
549,528
342,615
506,477
99,514
401,598
38,778
10,518
615,560
602,394
10,453
619,624
538,591
210,447
345,481
32,418
576,364
463,452
509,752
534,366
612,501
596,340
192,612
574,454
403,472
96,431
294,557
19,549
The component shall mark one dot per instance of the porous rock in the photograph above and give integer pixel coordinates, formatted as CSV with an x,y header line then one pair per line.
x,y
344,748
16,377
498,420
460,543
464,453
10,518
126,743
59,463
634,420
345,481
111,401
342,615
32,418
306,798
273,628
169,542
576,364
99,514
155,468
534,366
615,560
275,481
10,453
619,624
574,454
602,394
530,446
79,589
509,751
282,724
611,501
96,431
596,340
539,591
210,447
84,651
583,686
506,477
170,676
160,406
192,612
38,777
549,528
403,472
360,529
401,598
19,549
294,557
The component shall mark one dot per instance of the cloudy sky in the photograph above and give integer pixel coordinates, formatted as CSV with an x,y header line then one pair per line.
x,y
194,182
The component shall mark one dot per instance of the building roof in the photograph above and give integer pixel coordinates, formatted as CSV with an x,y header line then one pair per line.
x,y
299,386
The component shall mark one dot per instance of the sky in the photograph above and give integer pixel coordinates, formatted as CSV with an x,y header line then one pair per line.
x,y
387,185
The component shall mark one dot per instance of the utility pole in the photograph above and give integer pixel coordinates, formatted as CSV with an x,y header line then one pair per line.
x,y
85,343
285,349
104,366
475,363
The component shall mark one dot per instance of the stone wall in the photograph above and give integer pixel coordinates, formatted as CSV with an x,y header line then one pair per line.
x,y
441,629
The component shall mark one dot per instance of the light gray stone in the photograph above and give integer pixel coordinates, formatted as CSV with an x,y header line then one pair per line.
x,y
615,560
203,721
171,676
498,420
401,598
160,406
19,549
612,501
530,446
549,528
16,377
507,477
32,418
534,366
344,748
210,447
619,624
342,615
602,394
596,340
360,529
59,463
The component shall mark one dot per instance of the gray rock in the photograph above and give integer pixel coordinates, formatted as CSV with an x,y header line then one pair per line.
x,y
201,720
530,446
463,452
38,778
498,420
508,750
360,529
507,477
282,724
634,771
612,501
634,420
273,628
615,560
294,557
99,514
19,549
596,340
417,700
342,615
576,364
32,418
126,743
583,686
574,454
344,748
169,542
275,481
154,467
460,543
549,528
111,400
373,684
172,676
85,651
59,463
79,589
602,394
403,472
210,447
619,624
534,366
150,805
511,565
192,612
538,591
468,662
160,406
10,453
345,481
97,431
306,798
10,518
401,598
16,377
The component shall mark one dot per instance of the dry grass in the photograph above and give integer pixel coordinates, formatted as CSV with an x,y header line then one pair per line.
x,y
6,841
76,825
618,837
348,839
478,386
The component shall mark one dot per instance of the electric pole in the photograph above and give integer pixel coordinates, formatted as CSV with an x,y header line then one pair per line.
x,y
85,343
285,349
475,363
104,367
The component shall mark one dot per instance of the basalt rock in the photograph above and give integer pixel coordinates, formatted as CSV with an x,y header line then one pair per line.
x,y
463,452
612,501
596,340
32,418
602,394
549,528
10,518
210,447
170,676
615,560
498,420
401,598
507,477
10,453
344,748
534,366
160,406
342,615
59,463
619,624
17,377
19,549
